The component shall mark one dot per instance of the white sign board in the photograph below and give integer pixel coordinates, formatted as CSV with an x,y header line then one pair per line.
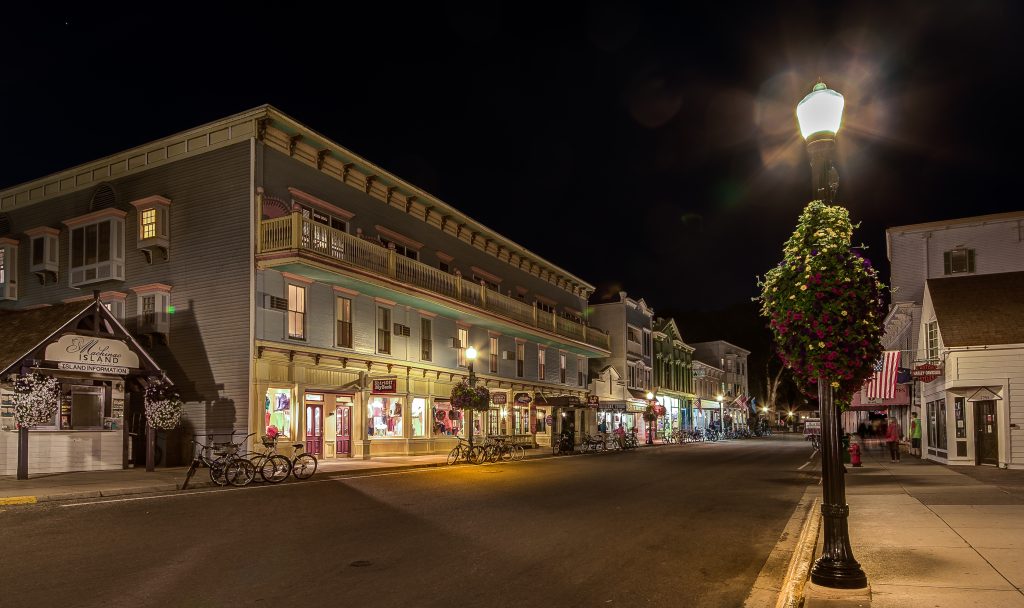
x,y
95,368
72,348
812,426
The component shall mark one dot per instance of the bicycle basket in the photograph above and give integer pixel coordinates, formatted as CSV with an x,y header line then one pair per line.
x,y
268,441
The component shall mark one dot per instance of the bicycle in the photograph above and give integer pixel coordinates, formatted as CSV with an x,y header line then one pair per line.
x,y
227,468
304,464
815,441
463,452
273,467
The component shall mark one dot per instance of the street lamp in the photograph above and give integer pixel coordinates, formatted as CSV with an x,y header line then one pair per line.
x,y
820,114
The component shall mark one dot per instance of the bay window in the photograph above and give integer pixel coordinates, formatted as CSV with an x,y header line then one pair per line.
x,y
8,269
96,247
153,225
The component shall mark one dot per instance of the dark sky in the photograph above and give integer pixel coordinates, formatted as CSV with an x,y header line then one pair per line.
x,y
650,149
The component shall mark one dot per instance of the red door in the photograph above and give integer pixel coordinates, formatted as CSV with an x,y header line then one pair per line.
x,y
344,422
315,429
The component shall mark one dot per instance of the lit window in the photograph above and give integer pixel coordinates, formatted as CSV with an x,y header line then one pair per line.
x,y
492,356
463,340
148,222
541,371
296,312
384,330
520,359
561,368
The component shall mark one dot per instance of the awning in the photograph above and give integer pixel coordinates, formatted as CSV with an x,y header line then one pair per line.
x,y
565,401
612,406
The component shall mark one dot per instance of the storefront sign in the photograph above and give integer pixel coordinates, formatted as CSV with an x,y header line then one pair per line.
x,y
385,386
72,348
926,372
549,420
94,368
812,426
984,394
499,398
523,398
619,406
593,401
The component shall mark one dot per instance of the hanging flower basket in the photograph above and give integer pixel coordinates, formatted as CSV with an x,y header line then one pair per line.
x,y
37,398
824,304
651,413
466,397
163,406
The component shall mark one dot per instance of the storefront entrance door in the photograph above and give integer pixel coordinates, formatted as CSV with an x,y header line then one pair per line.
x,y
315,429
986,433
344,429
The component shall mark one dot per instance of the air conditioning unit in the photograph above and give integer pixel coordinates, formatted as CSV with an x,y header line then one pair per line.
x,y
454,343
275,303
401,330
508,355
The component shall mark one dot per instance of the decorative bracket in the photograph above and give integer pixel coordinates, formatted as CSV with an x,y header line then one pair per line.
x,y
320,156
292,142
369,182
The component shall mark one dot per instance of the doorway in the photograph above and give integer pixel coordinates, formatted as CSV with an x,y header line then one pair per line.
x,y
986,433
315,426
343,418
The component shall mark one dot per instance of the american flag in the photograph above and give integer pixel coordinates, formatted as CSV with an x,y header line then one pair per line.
x,y
882,384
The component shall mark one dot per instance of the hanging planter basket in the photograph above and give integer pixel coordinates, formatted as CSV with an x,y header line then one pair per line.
x,y
37,398
163,406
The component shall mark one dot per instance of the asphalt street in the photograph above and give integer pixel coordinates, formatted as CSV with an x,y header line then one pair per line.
x,y
683,525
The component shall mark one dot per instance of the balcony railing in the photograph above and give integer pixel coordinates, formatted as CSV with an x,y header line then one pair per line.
x,y
298,233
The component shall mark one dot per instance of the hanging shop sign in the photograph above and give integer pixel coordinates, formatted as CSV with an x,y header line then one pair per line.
x,y
812,426
499,398
926,372
385,386
593,401
523,398
88,353
94,368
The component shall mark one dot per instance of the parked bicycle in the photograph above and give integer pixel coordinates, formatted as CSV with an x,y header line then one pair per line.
x,y
304,464
272,466
227,468
593,444
463,453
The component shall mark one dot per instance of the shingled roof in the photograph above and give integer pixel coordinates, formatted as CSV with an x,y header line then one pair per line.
x,y
23,330
979,309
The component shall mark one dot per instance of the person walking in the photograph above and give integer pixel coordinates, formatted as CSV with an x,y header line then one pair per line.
x,y
893,435
915,435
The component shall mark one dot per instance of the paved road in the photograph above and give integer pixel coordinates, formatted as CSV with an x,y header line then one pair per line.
x,y
669,526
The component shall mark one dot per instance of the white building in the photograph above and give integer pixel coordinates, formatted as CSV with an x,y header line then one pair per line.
x,y
735,387
972,329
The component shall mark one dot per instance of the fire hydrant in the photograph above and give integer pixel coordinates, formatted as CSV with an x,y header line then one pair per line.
x,y
855,454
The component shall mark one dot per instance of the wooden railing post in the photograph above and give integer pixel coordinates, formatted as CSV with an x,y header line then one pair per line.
x,y
392,264
483,294
296,230
535,322
458,285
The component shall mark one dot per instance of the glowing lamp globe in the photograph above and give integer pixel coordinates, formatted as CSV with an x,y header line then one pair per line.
x,y
471,353
821,112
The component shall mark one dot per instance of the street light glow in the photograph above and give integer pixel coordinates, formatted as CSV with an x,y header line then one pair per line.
x,y
471,353
650,395
820,112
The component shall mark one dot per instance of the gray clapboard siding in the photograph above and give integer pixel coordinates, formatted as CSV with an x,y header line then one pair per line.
x,y
209,267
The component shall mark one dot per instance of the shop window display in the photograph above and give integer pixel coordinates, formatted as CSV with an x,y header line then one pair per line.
x,y
417,411
385,418
278,412
447,422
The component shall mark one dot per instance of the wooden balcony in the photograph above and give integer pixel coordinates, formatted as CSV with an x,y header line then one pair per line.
x,y
303,235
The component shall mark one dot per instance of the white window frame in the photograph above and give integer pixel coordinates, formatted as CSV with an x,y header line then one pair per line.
x,y
520,359
542,363
581,369
8,269
382,322
932,342
561,367
111,269
492,354
160,322
646,334
49,238
342,303
462,338
633,334
161,209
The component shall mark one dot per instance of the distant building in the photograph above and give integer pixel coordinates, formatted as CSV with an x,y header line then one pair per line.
x,y
732,360
673,376
621,381
708,404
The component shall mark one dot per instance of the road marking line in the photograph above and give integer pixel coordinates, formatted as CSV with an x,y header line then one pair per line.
x,y
18,500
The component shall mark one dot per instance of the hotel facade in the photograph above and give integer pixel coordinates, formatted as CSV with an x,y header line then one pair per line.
x,y
282,282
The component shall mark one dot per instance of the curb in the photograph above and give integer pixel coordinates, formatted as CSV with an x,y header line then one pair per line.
x,y
792,593
779,582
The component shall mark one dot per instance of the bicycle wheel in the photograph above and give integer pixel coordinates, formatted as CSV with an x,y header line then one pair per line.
x,y
519,452
453,456
476,455
217,471
304,466
240,472
506,453
191,471
275,469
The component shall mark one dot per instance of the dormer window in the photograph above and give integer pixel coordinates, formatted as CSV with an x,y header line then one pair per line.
x,y
958,261
8,268
97,247
154,222
44,261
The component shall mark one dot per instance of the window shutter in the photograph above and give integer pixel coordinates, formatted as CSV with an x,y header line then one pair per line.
x,y
970,260
947,261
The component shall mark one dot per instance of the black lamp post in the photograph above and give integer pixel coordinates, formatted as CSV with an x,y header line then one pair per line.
x,y
820,115
654,418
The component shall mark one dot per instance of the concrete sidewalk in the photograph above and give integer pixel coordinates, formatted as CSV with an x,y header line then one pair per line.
x,y
927,535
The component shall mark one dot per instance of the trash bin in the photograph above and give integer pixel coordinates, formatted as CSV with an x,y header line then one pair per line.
x,y
846,448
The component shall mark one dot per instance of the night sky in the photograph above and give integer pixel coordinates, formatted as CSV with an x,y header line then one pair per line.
x,y
648,149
